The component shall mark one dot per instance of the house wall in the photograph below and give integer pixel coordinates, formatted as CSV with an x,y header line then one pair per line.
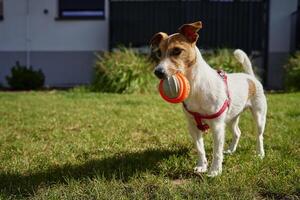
x,y
63,49
280,33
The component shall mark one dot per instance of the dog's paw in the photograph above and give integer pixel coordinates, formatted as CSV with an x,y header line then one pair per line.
x,y
261,155
228,152
200,169
214,173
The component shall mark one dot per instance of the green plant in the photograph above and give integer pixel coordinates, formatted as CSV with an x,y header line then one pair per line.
x,y
23,78
292,73
223,59
123,71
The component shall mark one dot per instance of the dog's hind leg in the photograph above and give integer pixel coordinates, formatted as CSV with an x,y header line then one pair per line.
x,y
236,132
259,111
199,143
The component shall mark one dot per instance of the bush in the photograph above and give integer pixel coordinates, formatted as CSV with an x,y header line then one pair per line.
x,y
123,71
23,78
292,73
223,59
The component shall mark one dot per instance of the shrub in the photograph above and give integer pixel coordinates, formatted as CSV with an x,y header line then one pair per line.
x,y
23,78
123,71
292,73
223,59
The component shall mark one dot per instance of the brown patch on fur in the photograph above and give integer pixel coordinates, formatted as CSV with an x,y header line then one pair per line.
x,y
190,31
178,48
251,88
188,55
157,38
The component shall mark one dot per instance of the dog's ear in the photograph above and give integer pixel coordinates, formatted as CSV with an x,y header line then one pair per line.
x,y
156,39
190,31
155,52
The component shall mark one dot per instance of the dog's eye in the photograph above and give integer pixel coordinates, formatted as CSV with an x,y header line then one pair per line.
x,y
176,51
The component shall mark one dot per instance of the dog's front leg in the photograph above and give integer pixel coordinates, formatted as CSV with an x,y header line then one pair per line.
x,y
199,143
218,131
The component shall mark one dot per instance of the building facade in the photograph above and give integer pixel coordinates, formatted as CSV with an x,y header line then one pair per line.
x,y
57,36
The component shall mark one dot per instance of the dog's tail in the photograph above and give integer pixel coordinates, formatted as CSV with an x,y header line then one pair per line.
x,y
242,57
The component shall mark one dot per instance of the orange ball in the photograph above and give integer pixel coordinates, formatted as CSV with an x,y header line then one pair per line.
x,y
174,89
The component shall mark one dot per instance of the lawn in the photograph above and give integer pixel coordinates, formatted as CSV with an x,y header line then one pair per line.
x,y
72,145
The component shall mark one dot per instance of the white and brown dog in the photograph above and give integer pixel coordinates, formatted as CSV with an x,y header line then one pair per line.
x,y
178,52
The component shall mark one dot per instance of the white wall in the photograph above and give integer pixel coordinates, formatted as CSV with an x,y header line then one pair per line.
x,y
12,27
47,33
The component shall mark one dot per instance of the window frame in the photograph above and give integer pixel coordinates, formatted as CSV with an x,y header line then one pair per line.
x,y
60,15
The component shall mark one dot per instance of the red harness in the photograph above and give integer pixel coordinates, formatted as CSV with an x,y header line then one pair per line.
x,y
199,117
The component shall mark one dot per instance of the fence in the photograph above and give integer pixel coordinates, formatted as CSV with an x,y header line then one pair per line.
x,y
231,24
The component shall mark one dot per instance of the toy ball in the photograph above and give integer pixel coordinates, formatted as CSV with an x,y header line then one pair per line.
x,y
174,89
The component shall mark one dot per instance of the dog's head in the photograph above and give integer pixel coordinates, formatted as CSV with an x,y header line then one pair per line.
x,y
175,52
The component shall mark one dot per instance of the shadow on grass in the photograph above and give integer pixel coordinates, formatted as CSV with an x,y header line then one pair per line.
x,y
121,167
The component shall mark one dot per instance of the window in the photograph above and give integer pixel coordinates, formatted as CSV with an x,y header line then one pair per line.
x,y
81,9
1,9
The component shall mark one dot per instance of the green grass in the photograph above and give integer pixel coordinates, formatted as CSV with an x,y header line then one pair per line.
x,y
71,145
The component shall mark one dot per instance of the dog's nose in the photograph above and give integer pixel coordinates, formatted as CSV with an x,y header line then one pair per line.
x,y
160,73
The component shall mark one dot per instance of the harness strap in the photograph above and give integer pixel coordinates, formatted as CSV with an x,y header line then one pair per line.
x,y
199,117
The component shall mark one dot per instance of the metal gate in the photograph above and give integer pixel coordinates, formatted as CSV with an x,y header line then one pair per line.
x,y
230,24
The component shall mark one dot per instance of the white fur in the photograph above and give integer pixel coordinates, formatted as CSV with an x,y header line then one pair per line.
x,y
208,94
243,58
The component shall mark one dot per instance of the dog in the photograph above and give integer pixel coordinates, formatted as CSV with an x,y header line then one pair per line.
x,y
208,92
